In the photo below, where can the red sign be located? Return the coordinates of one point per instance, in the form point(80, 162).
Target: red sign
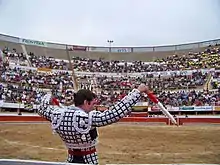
point(155, 108)
point(77, 48)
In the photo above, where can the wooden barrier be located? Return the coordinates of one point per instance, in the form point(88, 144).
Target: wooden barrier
point(144, 119)
point(11, 118)
point(181, 121)
point(138, 114)
point(199, 120)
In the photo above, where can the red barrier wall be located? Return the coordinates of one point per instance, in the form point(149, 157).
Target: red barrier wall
point(21, 118)
point(181, 121)
point(199, 120)
point(138, 114)
point(144, 119)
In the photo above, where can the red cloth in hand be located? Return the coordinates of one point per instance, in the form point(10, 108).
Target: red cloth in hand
point(55, 101)
point(152, 97)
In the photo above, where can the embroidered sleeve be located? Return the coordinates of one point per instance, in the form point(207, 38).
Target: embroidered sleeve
point(45, 109)
point(118, 111)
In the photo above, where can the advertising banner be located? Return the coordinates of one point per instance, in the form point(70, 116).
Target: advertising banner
point(44, 69)
point(196, 108)
point(76, 48)
point(32, 42)
point(169, 108)
point(182, 72)
point(28, 106)
point(203, 108)
point(187, 108)
point(154, 108)
point(217, 108)
point(120, 50)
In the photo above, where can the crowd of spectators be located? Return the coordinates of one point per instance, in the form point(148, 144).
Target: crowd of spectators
point(207, 59)
point(35, 78)
point(15, 57)
point(173, 82)
point(27, 86)
point(47, 62)
point(189, 98)
point(20, 94)
point(215, 83)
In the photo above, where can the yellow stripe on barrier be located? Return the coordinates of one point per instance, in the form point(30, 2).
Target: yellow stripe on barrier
point(217, 108)
point(44, 69)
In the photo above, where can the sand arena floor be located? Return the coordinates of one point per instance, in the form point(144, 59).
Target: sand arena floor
point(119, 143)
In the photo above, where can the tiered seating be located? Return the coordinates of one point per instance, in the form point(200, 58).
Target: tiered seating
point(189, 98)
point(215, 82)
point(20, 94)
point(34, 78)
point(48, 62)
point(110, 88)
point(15, 57)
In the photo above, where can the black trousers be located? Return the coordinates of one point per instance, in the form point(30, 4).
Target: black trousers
point(77, 159)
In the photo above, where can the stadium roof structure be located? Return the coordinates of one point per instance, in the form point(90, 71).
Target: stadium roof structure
point(59, 51)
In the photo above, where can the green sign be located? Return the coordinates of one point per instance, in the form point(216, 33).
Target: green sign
point(186, 108)
point(33, 42)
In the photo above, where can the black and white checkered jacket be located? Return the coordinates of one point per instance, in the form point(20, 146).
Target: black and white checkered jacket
point(78, 128)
